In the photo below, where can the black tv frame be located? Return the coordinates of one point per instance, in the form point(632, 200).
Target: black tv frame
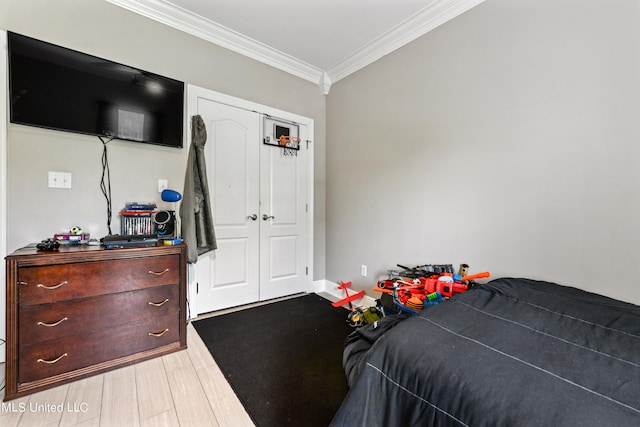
point(90, 95)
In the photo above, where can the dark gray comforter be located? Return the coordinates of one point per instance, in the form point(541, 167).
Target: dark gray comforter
point(512, 352)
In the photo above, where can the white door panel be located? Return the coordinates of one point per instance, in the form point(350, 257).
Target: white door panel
point(232, 195)
point(231, 263)
point(283, 192)
point(284, 257)
point(233, 169)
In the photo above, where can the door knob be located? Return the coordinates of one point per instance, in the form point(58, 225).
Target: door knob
point(266, 217)
point(253, 217)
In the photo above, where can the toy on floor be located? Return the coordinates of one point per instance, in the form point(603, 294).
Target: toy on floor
point(348, 298)
point(415, 288)
point(357, 316)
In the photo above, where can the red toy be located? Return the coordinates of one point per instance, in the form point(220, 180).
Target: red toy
point(349, 298)
point(426, 281)
point(448, 285)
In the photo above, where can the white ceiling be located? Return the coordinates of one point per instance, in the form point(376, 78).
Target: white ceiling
point(319, 32)
point(321, 41)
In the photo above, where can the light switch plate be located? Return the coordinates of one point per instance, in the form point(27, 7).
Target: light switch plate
point(59, 180)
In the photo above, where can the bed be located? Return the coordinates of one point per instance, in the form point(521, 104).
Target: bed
point(511, 352)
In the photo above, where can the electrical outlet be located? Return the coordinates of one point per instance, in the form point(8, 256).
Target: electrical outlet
point(363, 270)
point(59, 180)
point(163, 184)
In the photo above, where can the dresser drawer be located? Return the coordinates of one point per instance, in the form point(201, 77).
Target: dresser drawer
point(51, 321)
point(49, 283)
point(42, 360)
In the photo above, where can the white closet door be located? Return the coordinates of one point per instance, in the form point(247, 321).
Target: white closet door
point(283, 228)
point(259, 198)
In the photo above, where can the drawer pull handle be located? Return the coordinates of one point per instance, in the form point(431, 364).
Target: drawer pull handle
point(40, 285)
point(159, 273)
point(51, 362)
point(51, 325)
point(159, 334)
point(159, 304)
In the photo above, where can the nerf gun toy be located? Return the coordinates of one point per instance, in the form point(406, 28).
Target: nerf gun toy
point(449, 285)
point(412, 287)
point(445, 285)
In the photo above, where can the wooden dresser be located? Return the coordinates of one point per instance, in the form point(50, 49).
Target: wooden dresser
point(83, 310)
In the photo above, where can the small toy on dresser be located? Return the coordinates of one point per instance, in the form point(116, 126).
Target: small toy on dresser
point(48, 245)
point(74, 236)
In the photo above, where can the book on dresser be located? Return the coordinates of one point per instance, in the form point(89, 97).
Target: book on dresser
point(83, 310)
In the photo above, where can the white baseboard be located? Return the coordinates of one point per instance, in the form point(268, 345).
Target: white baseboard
point(330, 290)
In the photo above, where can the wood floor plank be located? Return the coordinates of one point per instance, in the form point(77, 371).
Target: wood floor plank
point(84, 401)
point(12, 411)
point(91, 422)
point(178, 360)
point(197, 350)
point(224, 402)
point(164, 419)
point(154, 395)
point(9, 417)
point(45, 407)
point(191, 403)
point(119, 399)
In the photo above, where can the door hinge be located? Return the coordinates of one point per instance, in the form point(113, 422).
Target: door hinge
point(197, 287)
point(306, 271)
point(308, 141)
point(306, 207)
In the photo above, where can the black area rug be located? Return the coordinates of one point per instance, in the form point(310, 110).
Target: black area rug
point(283, 360)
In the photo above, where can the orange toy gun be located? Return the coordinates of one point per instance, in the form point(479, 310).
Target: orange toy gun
point(482, 275)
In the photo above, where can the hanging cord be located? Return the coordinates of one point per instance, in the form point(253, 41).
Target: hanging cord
point(106, 186)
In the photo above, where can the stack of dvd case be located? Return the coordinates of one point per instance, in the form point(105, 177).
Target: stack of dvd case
point(137, 218)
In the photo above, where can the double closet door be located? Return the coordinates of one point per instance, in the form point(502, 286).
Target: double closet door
point(260, 209)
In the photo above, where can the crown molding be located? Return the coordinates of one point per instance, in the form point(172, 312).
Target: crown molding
point(183, 20)
point(435, 14)
point(427, 19)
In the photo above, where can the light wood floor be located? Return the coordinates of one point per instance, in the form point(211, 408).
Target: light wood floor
point(180, 389)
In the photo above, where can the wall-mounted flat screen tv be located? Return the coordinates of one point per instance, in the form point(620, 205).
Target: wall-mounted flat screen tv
point(58, 88)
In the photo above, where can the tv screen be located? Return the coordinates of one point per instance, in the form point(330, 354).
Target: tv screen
point(58, 88)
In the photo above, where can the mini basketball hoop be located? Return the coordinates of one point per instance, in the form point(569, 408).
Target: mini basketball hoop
point(282, 134)
point(290, 144)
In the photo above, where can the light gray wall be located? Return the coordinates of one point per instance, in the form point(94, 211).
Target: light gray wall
point(102, 29)
point(507, 139)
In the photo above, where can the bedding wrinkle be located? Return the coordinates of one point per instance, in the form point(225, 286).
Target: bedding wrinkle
point(635, 409)
point(411, 393)
point(606, 328)
point(551, 335)
point(569, 302)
